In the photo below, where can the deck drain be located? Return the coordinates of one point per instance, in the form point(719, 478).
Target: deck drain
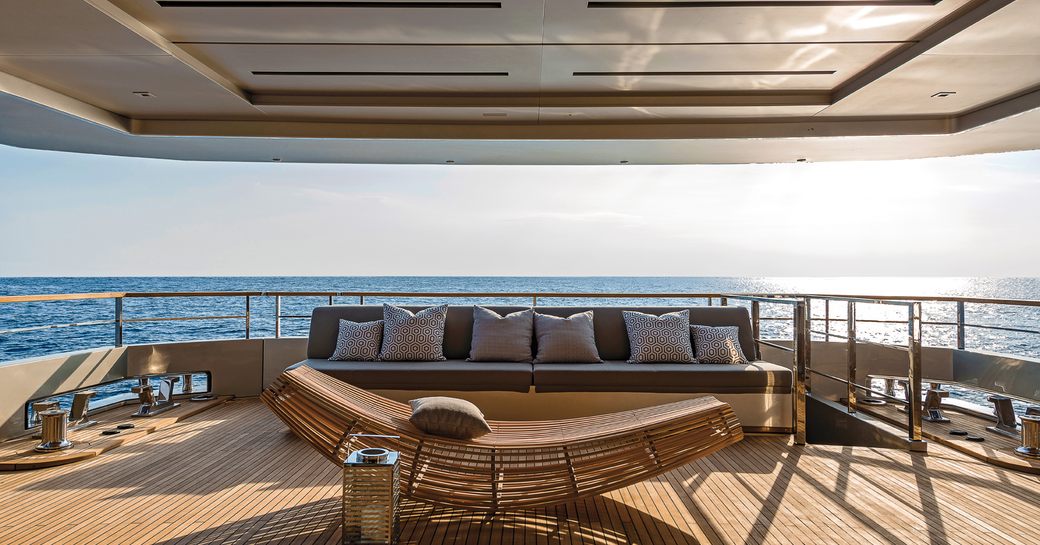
point(124, 426)
point(975, 438)
point(110, 432)
point(959, 433)
point(203, 397)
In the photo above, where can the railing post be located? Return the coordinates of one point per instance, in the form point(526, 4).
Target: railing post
point(534, 300)
point(756, 327)
point(850, 357)
point(960, 325)
point(330, 300)
point(277, 316)
point(119, 322)
point(802, 385)
point(361, 299)
point(710, 301)
point(827, 320)
point(913, 383)
point(249, 316)
point(723, 301)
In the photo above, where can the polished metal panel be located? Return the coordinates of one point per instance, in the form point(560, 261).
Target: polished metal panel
point(913, 384)
point(850, 354)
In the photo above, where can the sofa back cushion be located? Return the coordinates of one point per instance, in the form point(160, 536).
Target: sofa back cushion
point(609, 326)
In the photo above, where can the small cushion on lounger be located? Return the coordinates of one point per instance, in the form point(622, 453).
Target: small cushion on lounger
point(448, 417)
point(717, 344)
point(501, 338)
point(566, 340)
point(659, 339)
point(358, 341)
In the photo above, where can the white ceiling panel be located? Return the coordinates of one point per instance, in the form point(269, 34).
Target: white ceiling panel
point(572, 21)
point(975, 80)
point(515, 21)
point(1010, 31)
point(332, 69)
point(109, 83)
point(718, 67)
point(64, 27)
point(665, 114)
point(399, 114)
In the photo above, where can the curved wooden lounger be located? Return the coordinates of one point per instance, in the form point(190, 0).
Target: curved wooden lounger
point(519, 464)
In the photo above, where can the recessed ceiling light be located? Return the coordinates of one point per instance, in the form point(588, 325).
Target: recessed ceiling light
point(450, 161)
point(944, 94)
point(802, 160)
point(276, 159)
point(144, 94)
point(624, 162)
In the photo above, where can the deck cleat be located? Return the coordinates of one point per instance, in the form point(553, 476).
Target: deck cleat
point(150, 404)
point(80, 408)
point(1005, 413)
point(933, 405)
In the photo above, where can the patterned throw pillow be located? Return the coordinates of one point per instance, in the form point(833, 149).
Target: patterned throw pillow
point(566, 340)
point(659, 339)
point(358, 341)
point(717, 344)
point(413, 337)
point(501, 338)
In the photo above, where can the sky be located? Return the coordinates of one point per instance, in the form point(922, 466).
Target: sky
point(64, 214)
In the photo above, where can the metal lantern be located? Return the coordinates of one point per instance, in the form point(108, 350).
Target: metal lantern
point(371, 490)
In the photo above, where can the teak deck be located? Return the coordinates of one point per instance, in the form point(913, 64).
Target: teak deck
point(233, 474)
point(997, 449)
point(89, 442)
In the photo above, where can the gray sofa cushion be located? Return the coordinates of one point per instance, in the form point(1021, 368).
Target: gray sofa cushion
point(458, 375)
point(501, 338)
point(619, 376)
point(717, 344)
point(659, 339)
point(565, 340)
point(413, 337)
point(358, 341)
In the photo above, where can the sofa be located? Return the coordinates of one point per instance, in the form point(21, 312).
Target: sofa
point(759, 391)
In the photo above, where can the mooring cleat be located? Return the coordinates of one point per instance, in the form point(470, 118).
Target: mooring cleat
point(1005, 413)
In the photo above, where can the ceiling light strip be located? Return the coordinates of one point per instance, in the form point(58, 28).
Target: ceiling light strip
point(713, 73)
point(664, 4)
point(382, 73)
point(390, 4)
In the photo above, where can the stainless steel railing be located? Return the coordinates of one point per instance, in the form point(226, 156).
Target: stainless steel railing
point(801, 318)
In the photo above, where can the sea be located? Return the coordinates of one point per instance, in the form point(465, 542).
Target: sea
point(16, 344)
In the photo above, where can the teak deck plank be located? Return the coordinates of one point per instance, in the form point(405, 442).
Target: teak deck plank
point(233, 474)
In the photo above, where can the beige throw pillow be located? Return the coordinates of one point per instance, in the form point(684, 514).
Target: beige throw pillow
point(448, 417)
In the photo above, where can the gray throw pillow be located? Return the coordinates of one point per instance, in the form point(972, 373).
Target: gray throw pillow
point(413, 337)
point(717, 344)
point(501, 338)
point(358, 341)
point(566, 340)
point(448, 417)
point(659, 339)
